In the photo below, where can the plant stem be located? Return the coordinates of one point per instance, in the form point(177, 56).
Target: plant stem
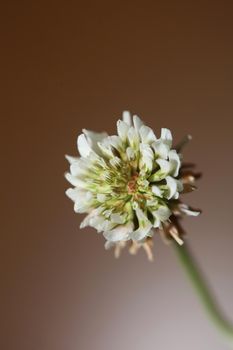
point(203, 292)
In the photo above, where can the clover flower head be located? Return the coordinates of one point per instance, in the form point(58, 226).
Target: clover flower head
point(129, 185)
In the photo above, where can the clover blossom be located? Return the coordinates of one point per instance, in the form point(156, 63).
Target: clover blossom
point(129, 185)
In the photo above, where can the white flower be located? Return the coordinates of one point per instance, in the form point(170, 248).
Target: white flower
point(129, 184)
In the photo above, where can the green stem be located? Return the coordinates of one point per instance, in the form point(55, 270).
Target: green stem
point(203, 292)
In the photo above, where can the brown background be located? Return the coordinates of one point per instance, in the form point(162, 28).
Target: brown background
point(67, 66)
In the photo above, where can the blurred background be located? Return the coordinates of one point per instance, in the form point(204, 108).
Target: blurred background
point(72, 65)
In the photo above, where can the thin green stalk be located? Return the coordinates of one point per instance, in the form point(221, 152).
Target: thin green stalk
point(203, 292)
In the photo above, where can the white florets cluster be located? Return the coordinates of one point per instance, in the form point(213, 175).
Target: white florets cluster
point(128, 184)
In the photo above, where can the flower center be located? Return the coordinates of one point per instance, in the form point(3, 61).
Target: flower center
point(132, 184)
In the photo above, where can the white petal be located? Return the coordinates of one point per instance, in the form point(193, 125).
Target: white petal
point(147, 135)
point(94, 219)
point(133, 138)
point(157, 191)
point(79, 168)
point(86, 221)
point(180, 185)
point(71, 159)
point(73, 193)
point(157, 222)
point(119, 233)
point(108, 226)
point(93, 138)
point(137, 122)
point(106, 148)
point(164, 165)
point(144, 226)
point(142, 218)
point(83, 202)
point(98, 222)
point(75, 181)
point(80, 207)
point(130, 153)
point(162, 214)
point(175, 162)
point(142, 232)
point(127, 118)
point(83, 146)
point(147, 157)
point(122, 130)
point(166, 135)
point(116, 142)
point(172, 186)
point(161, 149)
point(117, 218)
